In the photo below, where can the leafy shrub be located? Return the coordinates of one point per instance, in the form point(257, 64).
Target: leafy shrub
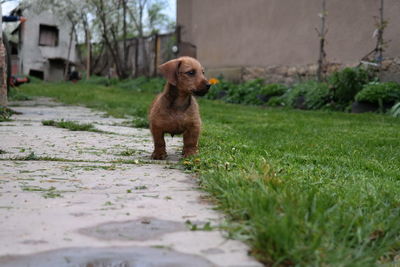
point(395, 111)
point(253, 92)
point(246, 93)
point(347, 83)
point(308, 95)
point(379, 93)
point(220, 89)
point(273, 89)
point(292, 96)
point(276, 101)
point(317, 95)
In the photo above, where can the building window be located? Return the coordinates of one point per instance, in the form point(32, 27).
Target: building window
point(48, 35)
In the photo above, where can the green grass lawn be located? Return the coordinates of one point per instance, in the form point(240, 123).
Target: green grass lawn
point(302, 188)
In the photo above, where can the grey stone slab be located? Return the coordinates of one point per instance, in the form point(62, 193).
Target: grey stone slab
point(110, 257)
point(100, 194)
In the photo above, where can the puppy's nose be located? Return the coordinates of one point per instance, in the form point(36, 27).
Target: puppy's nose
point(208, 85)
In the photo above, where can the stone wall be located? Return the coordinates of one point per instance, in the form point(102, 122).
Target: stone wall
point(285, 74)
point(390, 71)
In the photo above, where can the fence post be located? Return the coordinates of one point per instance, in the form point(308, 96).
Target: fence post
point(156, 54)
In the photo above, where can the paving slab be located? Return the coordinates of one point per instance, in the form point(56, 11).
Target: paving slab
point(96, 199)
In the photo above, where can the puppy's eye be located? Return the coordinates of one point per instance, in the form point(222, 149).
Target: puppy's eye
point(191, 73)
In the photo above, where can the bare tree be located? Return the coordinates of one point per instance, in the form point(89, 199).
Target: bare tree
point(136, 15)
point(377, 52)
point(322, 35)
point(109, 19)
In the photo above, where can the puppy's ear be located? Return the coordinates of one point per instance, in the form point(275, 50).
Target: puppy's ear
point(170, 70)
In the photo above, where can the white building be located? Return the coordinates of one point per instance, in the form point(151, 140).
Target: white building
point(43, 46)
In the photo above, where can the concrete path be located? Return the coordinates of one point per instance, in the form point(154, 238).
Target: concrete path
point(95, 199)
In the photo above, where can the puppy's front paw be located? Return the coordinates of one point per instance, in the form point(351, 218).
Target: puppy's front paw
point(159, 155)
point(189, 152)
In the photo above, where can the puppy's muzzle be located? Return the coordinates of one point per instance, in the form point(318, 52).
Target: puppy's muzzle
point(202, 91)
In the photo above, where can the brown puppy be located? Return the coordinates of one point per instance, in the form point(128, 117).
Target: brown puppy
point(175, 110)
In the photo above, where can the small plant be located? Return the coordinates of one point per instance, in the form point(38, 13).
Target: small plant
point(17, 95)
point(71, 125)
point(379, 93)
point(141, 187)
point(195, 227)
point(395, 110)
point(140, 122)
point(347, 83)
point(6, 113)
point(128, 152)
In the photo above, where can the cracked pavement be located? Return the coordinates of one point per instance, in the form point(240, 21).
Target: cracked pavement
point(78, 198)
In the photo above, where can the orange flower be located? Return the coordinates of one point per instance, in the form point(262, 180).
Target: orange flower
point(213, 81)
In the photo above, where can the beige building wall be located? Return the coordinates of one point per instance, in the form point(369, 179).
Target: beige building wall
point(264, 33)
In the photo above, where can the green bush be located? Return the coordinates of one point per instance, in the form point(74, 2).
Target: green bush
point(276, 101)
point(317, 95)
point(246, 93)
point(308, 95)
point(293, 94)
point(379, 93)
point(347, 83)
point(273, 89)
point(253, 92)
point(220, 89)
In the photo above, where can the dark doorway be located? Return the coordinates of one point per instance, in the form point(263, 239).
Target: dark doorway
point(37, 73)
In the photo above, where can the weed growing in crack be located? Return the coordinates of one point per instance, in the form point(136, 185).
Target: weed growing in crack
point(196, 227)
point(71, 125)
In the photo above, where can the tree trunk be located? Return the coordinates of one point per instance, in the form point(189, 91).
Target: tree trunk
point(381, 28)
point(3, 75)
point(322, 54)
point(137, 57)
point(125, 36)
point(88, 54)
point(71, 37)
